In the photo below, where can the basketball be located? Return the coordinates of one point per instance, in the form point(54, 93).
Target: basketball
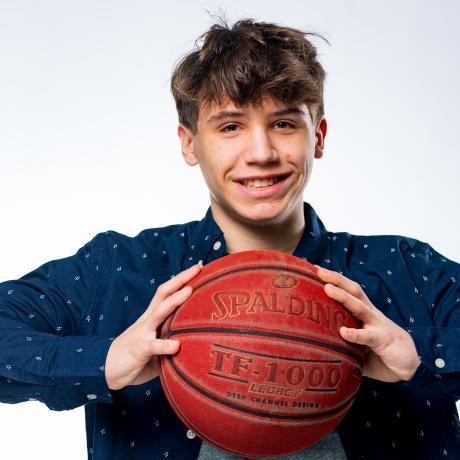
point(262, 369)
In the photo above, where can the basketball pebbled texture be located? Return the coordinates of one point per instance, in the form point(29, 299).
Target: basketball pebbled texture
point(262, 369)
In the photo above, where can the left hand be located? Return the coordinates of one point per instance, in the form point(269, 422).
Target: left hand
point(391, 354)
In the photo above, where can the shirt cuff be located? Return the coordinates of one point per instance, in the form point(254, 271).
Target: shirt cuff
point(437, 348)
point(423, 378)
point(79, 371)
point(433, 346)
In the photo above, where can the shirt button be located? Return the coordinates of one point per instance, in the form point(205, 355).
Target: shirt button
point(217, 245)
point(440, 363)
point(91, 396)
point(190, 434)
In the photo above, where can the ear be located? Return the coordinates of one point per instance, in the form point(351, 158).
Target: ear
point(186, 140)
point(321, 130)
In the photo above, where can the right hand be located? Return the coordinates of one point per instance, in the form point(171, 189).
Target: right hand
point(133, 356)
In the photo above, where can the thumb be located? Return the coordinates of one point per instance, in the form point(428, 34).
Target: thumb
point(358, 336)
point(164, 347)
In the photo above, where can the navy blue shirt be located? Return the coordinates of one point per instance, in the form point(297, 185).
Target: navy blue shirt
point(57, 323)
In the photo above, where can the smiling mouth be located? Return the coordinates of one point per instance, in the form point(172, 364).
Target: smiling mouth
point(261, 183)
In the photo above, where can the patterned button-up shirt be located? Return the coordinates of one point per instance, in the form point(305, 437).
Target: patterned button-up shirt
point(57, 323)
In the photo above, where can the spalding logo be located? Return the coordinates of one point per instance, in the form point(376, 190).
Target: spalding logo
point(283, 281)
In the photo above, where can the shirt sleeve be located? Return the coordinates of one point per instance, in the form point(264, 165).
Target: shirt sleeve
point(437, 283)
point(47, 351)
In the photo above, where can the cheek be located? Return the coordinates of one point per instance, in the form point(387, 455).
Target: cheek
point(301, 160)
point(213, 171)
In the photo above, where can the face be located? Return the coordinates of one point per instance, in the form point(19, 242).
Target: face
point(256, 159)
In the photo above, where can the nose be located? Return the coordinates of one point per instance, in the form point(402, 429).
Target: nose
point(261, 149)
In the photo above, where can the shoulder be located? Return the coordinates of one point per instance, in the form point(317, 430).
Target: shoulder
point(384, 255)
point(387, 256)
point(380, 245)
point(150, 237)
point(112, 247)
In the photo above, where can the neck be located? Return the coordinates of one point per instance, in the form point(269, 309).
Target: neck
point(241, 236)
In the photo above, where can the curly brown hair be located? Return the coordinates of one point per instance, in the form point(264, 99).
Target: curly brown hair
point(245, 63)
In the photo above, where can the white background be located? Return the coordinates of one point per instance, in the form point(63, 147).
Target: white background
point(88, 135)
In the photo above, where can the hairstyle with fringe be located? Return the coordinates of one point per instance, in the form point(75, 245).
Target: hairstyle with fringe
point(245, 63)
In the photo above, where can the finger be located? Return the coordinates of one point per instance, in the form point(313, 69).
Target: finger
point(163, 309)
point(174, 284)
point(358, 336)
point(354, 305)
point(341, 281)
point(164, 347)
point(177, 281)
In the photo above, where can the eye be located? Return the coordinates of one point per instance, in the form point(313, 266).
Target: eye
point(230, 128)
point(284, 125)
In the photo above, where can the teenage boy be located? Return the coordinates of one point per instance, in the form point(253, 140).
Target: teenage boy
point(83, 330)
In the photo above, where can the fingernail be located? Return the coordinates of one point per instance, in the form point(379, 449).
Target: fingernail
point(173, 343)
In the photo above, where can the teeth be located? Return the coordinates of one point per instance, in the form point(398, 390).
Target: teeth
point(257, 183)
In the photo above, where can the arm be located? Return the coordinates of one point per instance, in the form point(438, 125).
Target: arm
point(50, 349)
point(45, 350)
point(133, 356)
point(392, 355)
point(436, 281)
point(423, 350)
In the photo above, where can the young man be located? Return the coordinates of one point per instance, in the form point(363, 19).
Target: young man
point(83, 330)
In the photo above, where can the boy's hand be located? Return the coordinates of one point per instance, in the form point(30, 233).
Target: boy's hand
point(133, 356)
point(392, 355)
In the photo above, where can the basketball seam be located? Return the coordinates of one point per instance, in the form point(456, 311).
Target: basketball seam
point(259, 267)
point(277, 335)
point(255, 353)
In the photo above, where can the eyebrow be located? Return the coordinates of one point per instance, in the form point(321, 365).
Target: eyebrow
point(225, 114)
point(289, 111)
point(235, 114)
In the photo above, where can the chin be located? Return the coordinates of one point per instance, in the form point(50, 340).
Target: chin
point(261, 214)
point(264, 217)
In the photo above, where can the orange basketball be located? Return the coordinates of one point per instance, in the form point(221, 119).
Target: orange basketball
point(262, 369)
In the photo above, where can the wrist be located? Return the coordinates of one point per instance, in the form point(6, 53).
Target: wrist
point(413, 361)
point(109, 369)
point(411, 370)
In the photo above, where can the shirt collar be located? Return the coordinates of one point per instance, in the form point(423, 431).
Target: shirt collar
point(313, 245)
point(209, 242)
point(208, 239)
